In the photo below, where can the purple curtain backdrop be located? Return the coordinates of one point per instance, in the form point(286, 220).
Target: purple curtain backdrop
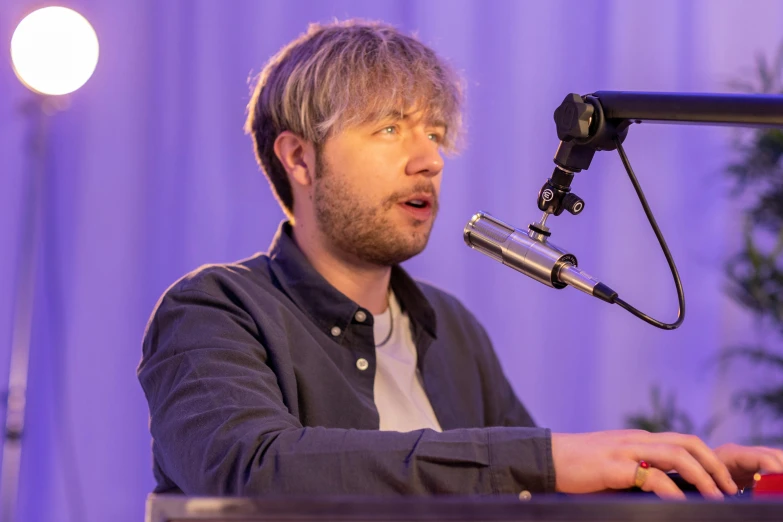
point(150, 176)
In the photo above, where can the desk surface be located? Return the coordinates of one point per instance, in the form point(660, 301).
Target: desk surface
point(611, 508)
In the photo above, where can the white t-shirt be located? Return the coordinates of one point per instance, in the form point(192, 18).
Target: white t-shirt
point(399, 394)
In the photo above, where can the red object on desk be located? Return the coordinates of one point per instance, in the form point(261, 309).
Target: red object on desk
point(769, 485)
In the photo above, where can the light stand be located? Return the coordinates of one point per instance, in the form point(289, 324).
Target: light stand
point(54, 51)
point(22, 326)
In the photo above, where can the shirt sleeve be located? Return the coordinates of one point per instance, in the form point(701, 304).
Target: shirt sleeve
point(507, 410)
point(220, 425)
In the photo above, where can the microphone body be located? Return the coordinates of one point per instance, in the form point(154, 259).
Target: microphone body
point(530, 253)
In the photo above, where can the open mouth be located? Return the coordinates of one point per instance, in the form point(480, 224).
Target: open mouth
point(418, 203)
point(421, 206)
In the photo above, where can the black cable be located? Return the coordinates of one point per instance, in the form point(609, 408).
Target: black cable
point(662, 242)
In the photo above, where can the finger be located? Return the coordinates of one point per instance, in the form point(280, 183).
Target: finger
point(759, 458)
point(673, 457)
point(770, 460)
point(779, 455)
point(659, 483)
point(621, 474)
point(705, 456)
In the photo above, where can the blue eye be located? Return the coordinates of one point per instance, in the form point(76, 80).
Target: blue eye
point(391, 128)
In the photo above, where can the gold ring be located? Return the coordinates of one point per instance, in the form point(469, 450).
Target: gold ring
point(642, 471)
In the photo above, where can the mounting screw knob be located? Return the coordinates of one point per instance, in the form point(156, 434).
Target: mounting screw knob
point(573, 117)
point(573, 203)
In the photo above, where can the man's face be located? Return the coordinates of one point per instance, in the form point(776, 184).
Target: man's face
point(376, 188)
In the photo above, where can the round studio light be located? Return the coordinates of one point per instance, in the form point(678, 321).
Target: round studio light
point(54, 50)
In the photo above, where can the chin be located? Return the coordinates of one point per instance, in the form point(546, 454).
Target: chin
point(416, 249)
point(398, 255)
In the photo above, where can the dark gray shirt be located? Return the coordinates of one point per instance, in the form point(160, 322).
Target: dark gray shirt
point(251, 377)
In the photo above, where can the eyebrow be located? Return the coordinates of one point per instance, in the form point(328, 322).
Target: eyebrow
point(429, 120)
point(435, 122)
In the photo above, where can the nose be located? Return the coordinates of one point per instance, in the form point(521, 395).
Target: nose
point(425, 158)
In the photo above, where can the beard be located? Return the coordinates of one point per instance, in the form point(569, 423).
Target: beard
point(365, 230)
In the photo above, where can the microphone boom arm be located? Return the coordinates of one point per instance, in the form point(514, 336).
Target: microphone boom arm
point(720, 109)
point(600, 121)
point(586, 124)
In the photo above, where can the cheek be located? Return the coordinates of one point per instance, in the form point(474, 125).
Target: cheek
point(368, 172)
point(351, 189)
point(370, 180)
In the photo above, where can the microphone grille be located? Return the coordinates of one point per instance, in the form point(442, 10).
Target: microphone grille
point(487, 234)
point(496, 230)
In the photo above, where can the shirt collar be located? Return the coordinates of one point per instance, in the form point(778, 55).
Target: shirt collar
point(327, 306)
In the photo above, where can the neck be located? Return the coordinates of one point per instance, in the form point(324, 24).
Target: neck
point(364, 283)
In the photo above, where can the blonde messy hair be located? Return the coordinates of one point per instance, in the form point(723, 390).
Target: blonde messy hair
point(344, 74)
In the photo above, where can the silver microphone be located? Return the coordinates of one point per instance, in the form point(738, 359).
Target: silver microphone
point(530, 253)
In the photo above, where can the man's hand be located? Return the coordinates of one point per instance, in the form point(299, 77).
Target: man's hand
point(606, 460)
point(744, 461)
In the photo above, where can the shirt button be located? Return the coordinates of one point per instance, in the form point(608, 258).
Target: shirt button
point(362, 364)
point(525, 495)
point(336, 331)
point(360, 316)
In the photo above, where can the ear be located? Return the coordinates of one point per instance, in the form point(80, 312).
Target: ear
point(297, 156)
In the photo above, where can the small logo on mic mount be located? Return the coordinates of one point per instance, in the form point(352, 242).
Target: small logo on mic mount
point(547, 195)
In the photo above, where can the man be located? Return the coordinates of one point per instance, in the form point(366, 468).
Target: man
point(322, 367)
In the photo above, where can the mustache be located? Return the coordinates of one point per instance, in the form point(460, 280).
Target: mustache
point(419, 188)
